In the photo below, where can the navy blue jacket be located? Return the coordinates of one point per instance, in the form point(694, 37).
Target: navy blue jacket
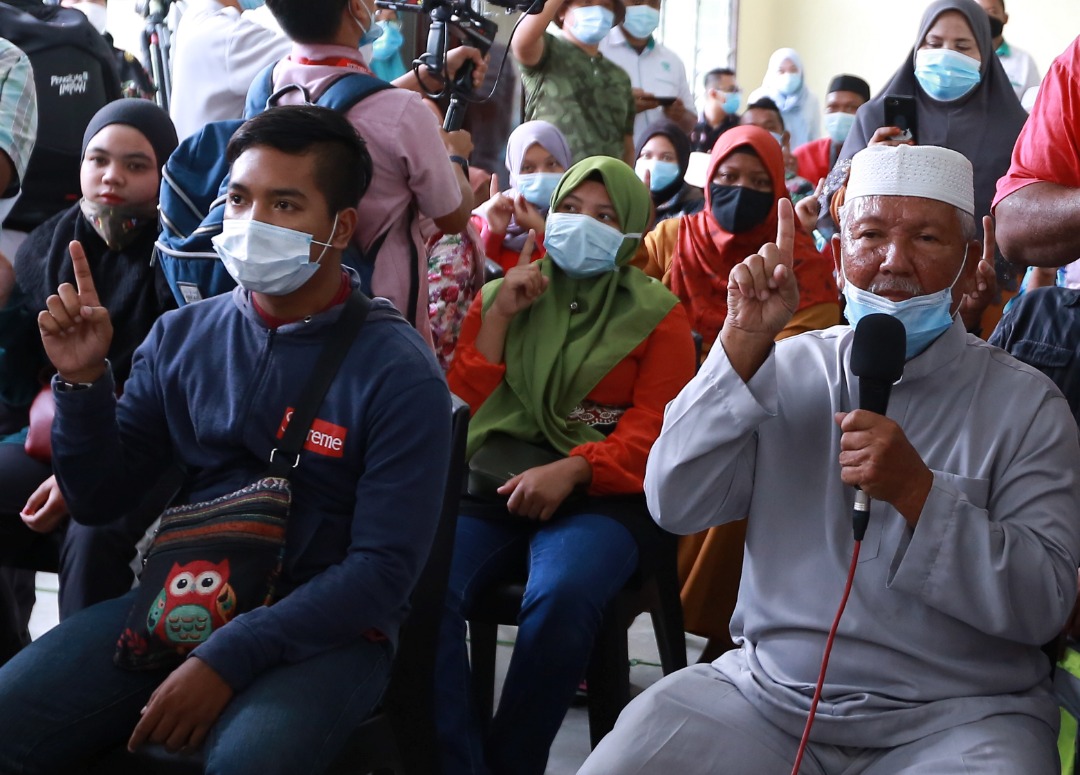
point(1042, 329)
point(210, 388)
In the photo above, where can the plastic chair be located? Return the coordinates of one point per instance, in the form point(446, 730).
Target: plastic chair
point(654, 587)
point(400, 737)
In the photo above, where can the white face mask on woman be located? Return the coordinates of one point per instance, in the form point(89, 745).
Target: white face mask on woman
point(265, 258)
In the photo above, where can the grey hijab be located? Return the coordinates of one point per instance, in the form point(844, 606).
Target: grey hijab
point(982, 125)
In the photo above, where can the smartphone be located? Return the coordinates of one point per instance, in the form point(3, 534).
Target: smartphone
point(665, 101)
point(900, 112)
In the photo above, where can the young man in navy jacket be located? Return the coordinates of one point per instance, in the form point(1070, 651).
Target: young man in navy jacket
point(279, 688)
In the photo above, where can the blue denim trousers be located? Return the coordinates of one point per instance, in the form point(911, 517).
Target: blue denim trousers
point(63, 702)
point(574, 565)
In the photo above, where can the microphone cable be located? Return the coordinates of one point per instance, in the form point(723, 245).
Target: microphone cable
point(825, 659)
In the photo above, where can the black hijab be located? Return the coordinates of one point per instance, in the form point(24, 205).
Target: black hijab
point(681, 141)
point(130, 286)
point(982, 125)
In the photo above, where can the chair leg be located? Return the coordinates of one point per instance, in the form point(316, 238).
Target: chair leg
point(608, 675)
point(483, 637)
point(667, 620)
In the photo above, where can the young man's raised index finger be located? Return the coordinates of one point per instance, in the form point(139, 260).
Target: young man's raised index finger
point(84, 281)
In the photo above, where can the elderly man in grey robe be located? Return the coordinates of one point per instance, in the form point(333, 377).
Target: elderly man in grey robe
point(970, 559)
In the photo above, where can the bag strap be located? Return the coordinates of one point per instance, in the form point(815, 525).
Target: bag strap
point(345, 91)
point(286, 455)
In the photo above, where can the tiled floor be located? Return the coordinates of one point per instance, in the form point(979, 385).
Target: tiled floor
point(571, 746)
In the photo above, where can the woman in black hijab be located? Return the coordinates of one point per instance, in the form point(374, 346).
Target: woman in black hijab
point(124, 147)
point(963, 101)
point(664, 150)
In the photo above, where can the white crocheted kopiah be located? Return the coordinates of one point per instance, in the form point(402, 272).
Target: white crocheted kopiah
point(926, 171)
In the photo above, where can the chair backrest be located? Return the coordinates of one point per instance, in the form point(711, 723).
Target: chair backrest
point(409, 700)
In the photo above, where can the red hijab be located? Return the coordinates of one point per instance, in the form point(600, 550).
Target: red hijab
point(705, 253)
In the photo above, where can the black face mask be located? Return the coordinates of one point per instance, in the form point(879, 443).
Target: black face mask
point(996, 27)
point(737, 208)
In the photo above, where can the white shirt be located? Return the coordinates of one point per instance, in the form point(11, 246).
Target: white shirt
point(1020, 68)
point(217, 54)
point(657, 69)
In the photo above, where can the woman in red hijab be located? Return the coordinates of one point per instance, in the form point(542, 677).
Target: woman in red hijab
point(693, 255)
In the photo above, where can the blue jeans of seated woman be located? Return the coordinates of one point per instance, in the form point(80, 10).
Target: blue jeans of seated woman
point(575, 565)
point(63, 702)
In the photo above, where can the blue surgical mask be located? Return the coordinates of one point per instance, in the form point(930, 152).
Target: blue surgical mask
point(779, 138)
point(788, 83)
point(641, 21)
point(945, 74)
point(838, 125)
point(732, 100)
point(372, 32)
point(662, 173)
point(265, 258)
point(581, 246)
point(388, 43)
point(590, 24)
point(925, 318)
point(538, 187)
point(251, 5)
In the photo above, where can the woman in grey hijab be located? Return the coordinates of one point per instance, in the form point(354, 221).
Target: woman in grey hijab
point(963, 101)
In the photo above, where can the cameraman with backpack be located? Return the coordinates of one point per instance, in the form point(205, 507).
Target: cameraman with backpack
point(411, 177)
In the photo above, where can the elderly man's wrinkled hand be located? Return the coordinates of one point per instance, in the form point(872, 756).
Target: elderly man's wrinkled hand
point(877, 456)
point(762, 291)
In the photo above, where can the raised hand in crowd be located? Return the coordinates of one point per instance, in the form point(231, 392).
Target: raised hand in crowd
point(979, 298)
point(498, 209)
point(808, 208)
point(521, 286)
point(75, 329)
point(762, 297)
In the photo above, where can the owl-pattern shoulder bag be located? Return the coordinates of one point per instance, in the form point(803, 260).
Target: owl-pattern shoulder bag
point(213, 560)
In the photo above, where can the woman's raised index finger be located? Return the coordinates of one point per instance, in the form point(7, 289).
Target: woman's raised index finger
point(525, 257)
point(785, 231)
point(84, 281)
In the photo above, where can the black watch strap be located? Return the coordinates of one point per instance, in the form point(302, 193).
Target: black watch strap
point(462, 161)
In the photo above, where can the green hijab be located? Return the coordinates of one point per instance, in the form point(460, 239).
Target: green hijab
point(555, 357)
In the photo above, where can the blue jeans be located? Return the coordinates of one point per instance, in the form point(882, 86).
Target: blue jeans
point(575, 565)
point(63, 702)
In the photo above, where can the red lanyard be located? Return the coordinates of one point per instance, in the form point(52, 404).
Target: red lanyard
point(351, 64)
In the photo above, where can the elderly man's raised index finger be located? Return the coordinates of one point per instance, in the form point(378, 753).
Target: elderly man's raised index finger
point(785, 231)
point(84, 281)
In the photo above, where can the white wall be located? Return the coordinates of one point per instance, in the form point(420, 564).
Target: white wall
point(871, 38)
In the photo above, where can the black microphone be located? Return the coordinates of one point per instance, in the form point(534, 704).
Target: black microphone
point(877, 359)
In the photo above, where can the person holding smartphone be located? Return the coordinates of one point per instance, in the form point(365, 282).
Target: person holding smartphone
point(963, 101)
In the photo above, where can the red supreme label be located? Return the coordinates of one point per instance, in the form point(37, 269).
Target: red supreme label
point(324, 438)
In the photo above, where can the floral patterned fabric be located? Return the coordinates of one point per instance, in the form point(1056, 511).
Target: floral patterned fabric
point(455, 274)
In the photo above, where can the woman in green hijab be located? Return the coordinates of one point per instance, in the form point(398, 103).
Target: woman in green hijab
point(578, 353)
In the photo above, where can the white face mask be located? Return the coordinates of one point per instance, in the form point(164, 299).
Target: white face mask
point(265, 258)
point(581, 246)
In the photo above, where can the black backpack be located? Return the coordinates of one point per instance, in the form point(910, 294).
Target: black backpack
point(74, 75)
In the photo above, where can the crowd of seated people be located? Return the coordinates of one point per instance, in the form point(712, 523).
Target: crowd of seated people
point(653, 323)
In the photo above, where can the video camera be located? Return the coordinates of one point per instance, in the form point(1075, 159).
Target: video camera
point(474, 29)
